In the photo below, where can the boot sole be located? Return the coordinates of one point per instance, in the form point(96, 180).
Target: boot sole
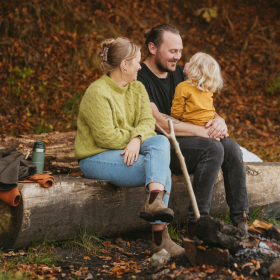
point(164, 216)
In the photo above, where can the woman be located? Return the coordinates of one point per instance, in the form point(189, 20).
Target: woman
point(116, 141)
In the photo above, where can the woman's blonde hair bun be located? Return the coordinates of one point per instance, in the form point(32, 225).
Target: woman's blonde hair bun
point(107, 43)
point(114, 51)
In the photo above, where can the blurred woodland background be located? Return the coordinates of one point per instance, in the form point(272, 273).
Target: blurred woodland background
point(49, 55)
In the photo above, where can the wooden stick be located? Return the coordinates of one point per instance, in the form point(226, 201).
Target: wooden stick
point(181, 158)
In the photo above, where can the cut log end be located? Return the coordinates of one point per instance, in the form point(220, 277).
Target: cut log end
point(10, 223)
point(214, 232)
point(199, 255)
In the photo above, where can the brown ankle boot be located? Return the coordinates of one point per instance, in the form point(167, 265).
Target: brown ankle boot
point(154, 209)
point(161, 240)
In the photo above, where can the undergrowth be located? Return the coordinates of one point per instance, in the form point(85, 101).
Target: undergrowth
point(40, 255)
point(88, 239)
point(174, 232)
point(274, 86)
point(257, 214)
point(71, 106)
point(11, 275)
point(41, 252)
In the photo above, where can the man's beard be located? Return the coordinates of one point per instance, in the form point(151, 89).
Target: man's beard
point(161, 67)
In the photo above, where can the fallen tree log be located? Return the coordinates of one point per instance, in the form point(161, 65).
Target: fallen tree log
point(61, 211)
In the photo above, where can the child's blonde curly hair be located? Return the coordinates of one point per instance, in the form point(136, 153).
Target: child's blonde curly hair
point(205, 73)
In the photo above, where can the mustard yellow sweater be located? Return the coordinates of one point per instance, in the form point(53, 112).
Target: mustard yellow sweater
point(192, 106)
point(110, 116)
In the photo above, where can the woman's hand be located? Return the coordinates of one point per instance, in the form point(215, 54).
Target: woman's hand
point(131, 151)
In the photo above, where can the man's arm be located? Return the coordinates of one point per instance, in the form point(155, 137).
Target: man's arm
point(180, 128)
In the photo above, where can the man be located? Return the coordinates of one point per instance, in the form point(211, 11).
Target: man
point(206, 149)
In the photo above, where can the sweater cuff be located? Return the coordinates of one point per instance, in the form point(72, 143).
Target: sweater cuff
point(135, 135)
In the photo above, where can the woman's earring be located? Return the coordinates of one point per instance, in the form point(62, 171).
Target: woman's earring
point(125, 70)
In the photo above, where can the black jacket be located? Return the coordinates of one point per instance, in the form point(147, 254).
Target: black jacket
point(13, 168)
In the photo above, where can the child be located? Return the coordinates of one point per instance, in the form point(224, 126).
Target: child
point(193, 98)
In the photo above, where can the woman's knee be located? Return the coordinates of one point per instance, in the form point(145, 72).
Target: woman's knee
point(158, 142)
point(163, 143)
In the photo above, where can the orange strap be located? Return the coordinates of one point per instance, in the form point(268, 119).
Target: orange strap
point(44, 180)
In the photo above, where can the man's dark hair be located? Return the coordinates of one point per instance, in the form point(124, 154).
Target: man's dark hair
point(155, 34)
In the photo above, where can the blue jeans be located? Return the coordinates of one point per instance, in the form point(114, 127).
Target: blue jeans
point(152, 166)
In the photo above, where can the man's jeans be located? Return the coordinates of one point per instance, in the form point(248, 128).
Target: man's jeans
point(204, 157)
point(152, 166)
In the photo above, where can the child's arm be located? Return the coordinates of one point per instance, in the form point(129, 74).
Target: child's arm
point(179, 102)
point(181, 128)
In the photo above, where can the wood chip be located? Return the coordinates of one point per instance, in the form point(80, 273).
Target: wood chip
point(247, 264)
point(202, 274)
point(120, 240)
point(173, 266)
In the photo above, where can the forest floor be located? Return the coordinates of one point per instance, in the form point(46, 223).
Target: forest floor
point(89, 256)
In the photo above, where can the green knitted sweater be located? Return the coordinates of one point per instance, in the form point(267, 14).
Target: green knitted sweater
point(110, 116)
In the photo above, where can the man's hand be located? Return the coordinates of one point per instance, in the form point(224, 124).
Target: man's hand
point(131, 151)
point(218, 128)
point(188, 129)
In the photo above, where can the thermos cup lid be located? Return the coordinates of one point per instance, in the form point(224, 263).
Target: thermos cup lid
point(39, 145)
